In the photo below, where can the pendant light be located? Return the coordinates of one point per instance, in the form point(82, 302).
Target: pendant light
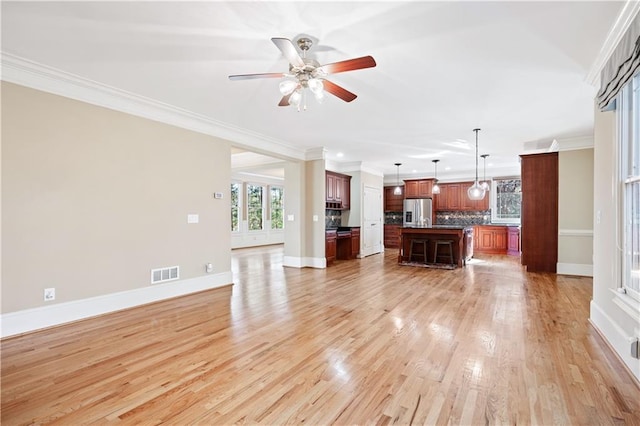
point(475, 191)
point(436, 188)
point(484, 184)
point(398, 189)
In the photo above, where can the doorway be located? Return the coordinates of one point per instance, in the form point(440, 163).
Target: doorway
point(372, 221)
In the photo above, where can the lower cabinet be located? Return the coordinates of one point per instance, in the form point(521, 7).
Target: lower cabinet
point(355, 242)
point(513, 243)
point(391, 236)
point(330, 246)
point(342, 244)
point(490, 239)
point(496, 239)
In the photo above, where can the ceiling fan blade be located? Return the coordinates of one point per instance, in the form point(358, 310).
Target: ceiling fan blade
point(349, 65)
point(338, 91)
point(285, 100)
point(289, 51)
point(252, 76)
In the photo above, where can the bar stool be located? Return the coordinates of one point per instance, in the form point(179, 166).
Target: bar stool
point(425, 244)
point(446, 243)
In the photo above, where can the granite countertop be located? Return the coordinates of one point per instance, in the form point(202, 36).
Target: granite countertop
point(341, 228)
point(510, 225)
point(439, 227)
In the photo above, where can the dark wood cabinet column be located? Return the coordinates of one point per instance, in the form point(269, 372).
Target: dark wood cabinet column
point(539, 215)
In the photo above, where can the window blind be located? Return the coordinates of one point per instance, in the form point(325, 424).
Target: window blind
point(623, 64)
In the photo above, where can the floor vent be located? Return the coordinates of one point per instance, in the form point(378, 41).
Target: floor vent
point(165, 274)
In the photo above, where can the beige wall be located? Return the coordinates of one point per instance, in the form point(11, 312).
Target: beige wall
point(93, 199)
point(575, 210)
point(608, 314)
point(293, 206)
point(315, 203)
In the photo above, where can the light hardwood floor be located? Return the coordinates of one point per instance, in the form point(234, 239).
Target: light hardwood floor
point(364, 342)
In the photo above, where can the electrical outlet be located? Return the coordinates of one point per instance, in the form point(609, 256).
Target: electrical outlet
point(49, 294)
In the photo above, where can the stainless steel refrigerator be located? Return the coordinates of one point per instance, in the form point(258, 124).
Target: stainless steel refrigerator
point(417, 213)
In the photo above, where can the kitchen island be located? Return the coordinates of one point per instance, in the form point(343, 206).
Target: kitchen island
point(418, 245)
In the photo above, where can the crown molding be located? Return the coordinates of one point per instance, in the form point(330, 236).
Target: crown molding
point(571, 144)
point(319, 153)
point(359, 166)
point(629, 11)
point(24, 72)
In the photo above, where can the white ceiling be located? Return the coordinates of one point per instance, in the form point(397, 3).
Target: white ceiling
point(515, 69)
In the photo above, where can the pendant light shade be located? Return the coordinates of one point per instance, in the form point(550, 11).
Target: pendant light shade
point(475, 191)
point(485, 183)
point(398, 188)
point(435, 189)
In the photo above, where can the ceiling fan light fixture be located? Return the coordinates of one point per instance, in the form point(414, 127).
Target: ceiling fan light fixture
point(308, 73)
point(288, 86)
point(295, 98)
point(315, 85)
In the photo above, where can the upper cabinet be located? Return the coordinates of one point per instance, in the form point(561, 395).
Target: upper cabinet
point(453, 197)
point(393, 202)
point(418, 188)
point(338, 191)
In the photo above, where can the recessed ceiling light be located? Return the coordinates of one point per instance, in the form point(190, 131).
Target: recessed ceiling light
point(414, 171)
point(339, 155)
point(447, 168)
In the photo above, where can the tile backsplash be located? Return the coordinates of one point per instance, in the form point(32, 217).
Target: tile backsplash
point(393, 218)
point(481, 217)
point(332, 219)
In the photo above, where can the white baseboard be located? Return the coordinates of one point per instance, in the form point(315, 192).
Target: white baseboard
point(47, 316)
point(616, 337)
point(574, 269)
point(304, 262)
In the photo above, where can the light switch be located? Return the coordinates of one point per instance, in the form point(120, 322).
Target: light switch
point(315, 217)
point(290, 217)
point(193, 218)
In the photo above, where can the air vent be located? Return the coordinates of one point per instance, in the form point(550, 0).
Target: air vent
point(165, 274)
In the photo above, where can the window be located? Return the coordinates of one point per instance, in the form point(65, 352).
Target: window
point(629, 133)
point(277, 205)
point(507, 198)
point(235, 207)
point(255, 207)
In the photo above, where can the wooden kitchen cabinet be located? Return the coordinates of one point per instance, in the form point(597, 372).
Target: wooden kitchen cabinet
point(453, 197)
point(393, 202)
point(513, 241)
point(452, 200)
point(539, 212)
point(355, 242)
point(418, 188)
point(490, 239)
point(330, 187)
point(338, 191)
point(330, 248)
point(392, 236)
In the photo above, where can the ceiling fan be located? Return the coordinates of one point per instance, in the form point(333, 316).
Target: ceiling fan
point(308, 73)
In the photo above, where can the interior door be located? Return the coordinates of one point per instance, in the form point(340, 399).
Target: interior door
point(372, 221)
